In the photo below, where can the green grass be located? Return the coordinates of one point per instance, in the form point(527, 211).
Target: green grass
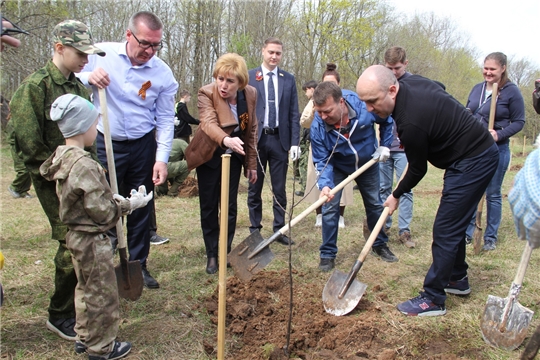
point(172, 323)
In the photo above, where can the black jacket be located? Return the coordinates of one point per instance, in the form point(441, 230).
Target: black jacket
point(182, 114)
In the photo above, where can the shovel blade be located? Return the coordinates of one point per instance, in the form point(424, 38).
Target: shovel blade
point(245, 268)
point(332, 303)
point(511, 335)
point(130, 283)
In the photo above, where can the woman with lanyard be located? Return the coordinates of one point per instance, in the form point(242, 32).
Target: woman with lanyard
point(228, 125)
point(509, 120)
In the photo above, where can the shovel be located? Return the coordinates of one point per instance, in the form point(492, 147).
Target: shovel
point(342, 292)
point(505, 321)
point(128, 273)
point(253, 254)
point(477, 235)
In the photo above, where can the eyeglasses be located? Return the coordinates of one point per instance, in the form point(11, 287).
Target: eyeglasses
point(146, 45)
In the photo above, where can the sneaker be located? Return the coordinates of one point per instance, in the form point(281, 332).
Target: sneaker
point(458, 287)
point(299, 193)
point(63, 328)
point(120, 350)
point(158, 240)
point(341, 223)
point(421, 306)
point(405, 239)
point(384, 253)
point(318, 221)
point(19, 195)
point(489, 245)
point(80, 347)
point(149, 281)
point(468, 240)
point(285, 240)
point(326, 264)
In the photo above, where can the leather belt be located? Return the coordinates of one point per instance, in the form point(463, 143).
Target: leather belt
point(270, 131)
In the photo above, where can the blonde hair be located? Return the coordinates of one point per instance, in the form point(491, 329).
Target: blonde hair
point(233, 64)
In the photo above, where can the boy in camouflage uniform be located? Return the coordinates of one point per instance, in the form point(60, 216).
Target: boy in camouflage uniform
point(36, 137)
point(177, 169)
point(89, 208)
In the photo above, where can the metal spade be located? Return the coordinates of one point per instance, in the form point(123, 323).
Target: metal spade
point(342, 292)
point(505, 321)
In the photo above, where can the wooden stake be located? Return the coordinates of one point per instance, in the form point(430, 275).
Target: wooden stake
point(223, 235)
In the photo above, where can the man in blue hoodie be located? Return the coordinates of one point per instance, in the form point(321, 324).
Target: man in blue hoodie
point(343, 139)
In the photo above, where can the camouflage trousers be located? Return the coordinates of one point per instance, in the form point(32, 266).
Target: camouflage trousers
point(302, 164)
point(62, 304)
point(177, 173)
point(96, 294)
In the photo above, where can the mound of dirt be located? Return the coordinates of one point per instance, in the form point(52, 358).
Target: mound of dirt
point(189, 188)
point(257, 320)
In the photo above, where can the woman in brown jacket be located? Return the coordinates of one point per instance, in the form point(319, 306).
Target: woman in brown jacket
point(228, 125)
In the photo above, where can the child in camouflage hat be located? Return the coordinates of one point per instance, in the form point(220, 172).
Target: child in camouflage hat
point(89, 208)
point(36, 137)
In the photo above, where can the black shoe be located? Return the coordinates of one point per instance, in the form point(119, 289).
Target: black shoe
point(158, 240)
point(285, 240)
point(120, 350)
point(299, 193)
point(80, 347)
point(211, 265)
point(63, 328)
point(326, 264)
point(149, 281)
point(384, 253)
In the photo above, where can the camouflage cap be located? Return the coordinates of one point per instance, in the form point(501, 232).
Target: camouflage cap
point(75, 34)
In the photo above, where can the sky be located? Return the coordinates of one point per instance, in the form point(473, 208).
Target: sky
point(511, 27)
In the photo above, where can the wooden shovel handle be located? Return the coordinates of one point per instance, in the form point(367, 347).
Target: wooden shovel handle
point(369, 243)
point(378, 226)
point(494, 95)
point(310, 209)
point(522, 268)
point(110, 161)
point(323, 199)
point(477, 236)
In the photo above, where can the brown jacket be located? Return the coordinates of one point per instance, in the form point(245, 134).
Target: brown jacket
point(218, 122)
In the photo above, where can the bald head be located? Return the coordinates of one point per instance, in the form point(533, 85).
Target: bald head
point(378, 88)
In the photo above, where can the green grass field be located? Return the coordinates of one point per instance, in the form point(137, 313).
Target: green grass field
point(171, 323)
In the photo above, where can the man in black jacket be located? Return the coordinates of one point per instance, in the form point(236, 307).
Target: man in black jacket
point(183, 120)
point(434, 127)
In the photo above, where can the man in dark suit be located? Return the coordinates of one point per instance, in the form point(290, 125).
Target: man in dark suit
point(279, 133)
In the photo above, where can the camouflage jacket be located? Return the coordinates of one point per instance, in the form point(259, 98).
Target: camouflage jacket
point(177, 151)
point(36, 136)
point(86, 199)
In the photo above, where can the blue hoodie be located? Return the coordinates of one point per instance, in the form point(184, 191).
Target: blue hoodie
point(509, 111)
point(349, 154)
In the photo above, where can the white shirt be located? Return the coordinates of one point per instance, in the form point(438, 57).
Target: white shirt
point(265, 72)
point(130, 116)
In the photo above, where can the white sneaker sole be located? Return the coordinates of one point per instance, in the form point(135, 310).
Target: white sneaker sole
point(458, 292)
point(55, 330)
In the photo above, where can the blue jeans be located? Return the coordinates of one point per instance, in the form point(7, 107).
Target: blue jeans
point(397, 161)
point(465, 182)
point(368, 184)
point(494, 198)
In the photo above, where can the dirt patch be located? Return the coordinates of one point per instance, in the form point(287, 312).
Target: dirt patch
point(189, 188)
point(516, 167)
point(258, 312)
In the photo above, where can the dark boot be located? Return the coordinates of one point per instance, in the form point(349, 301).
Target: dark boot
point(211, 265)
